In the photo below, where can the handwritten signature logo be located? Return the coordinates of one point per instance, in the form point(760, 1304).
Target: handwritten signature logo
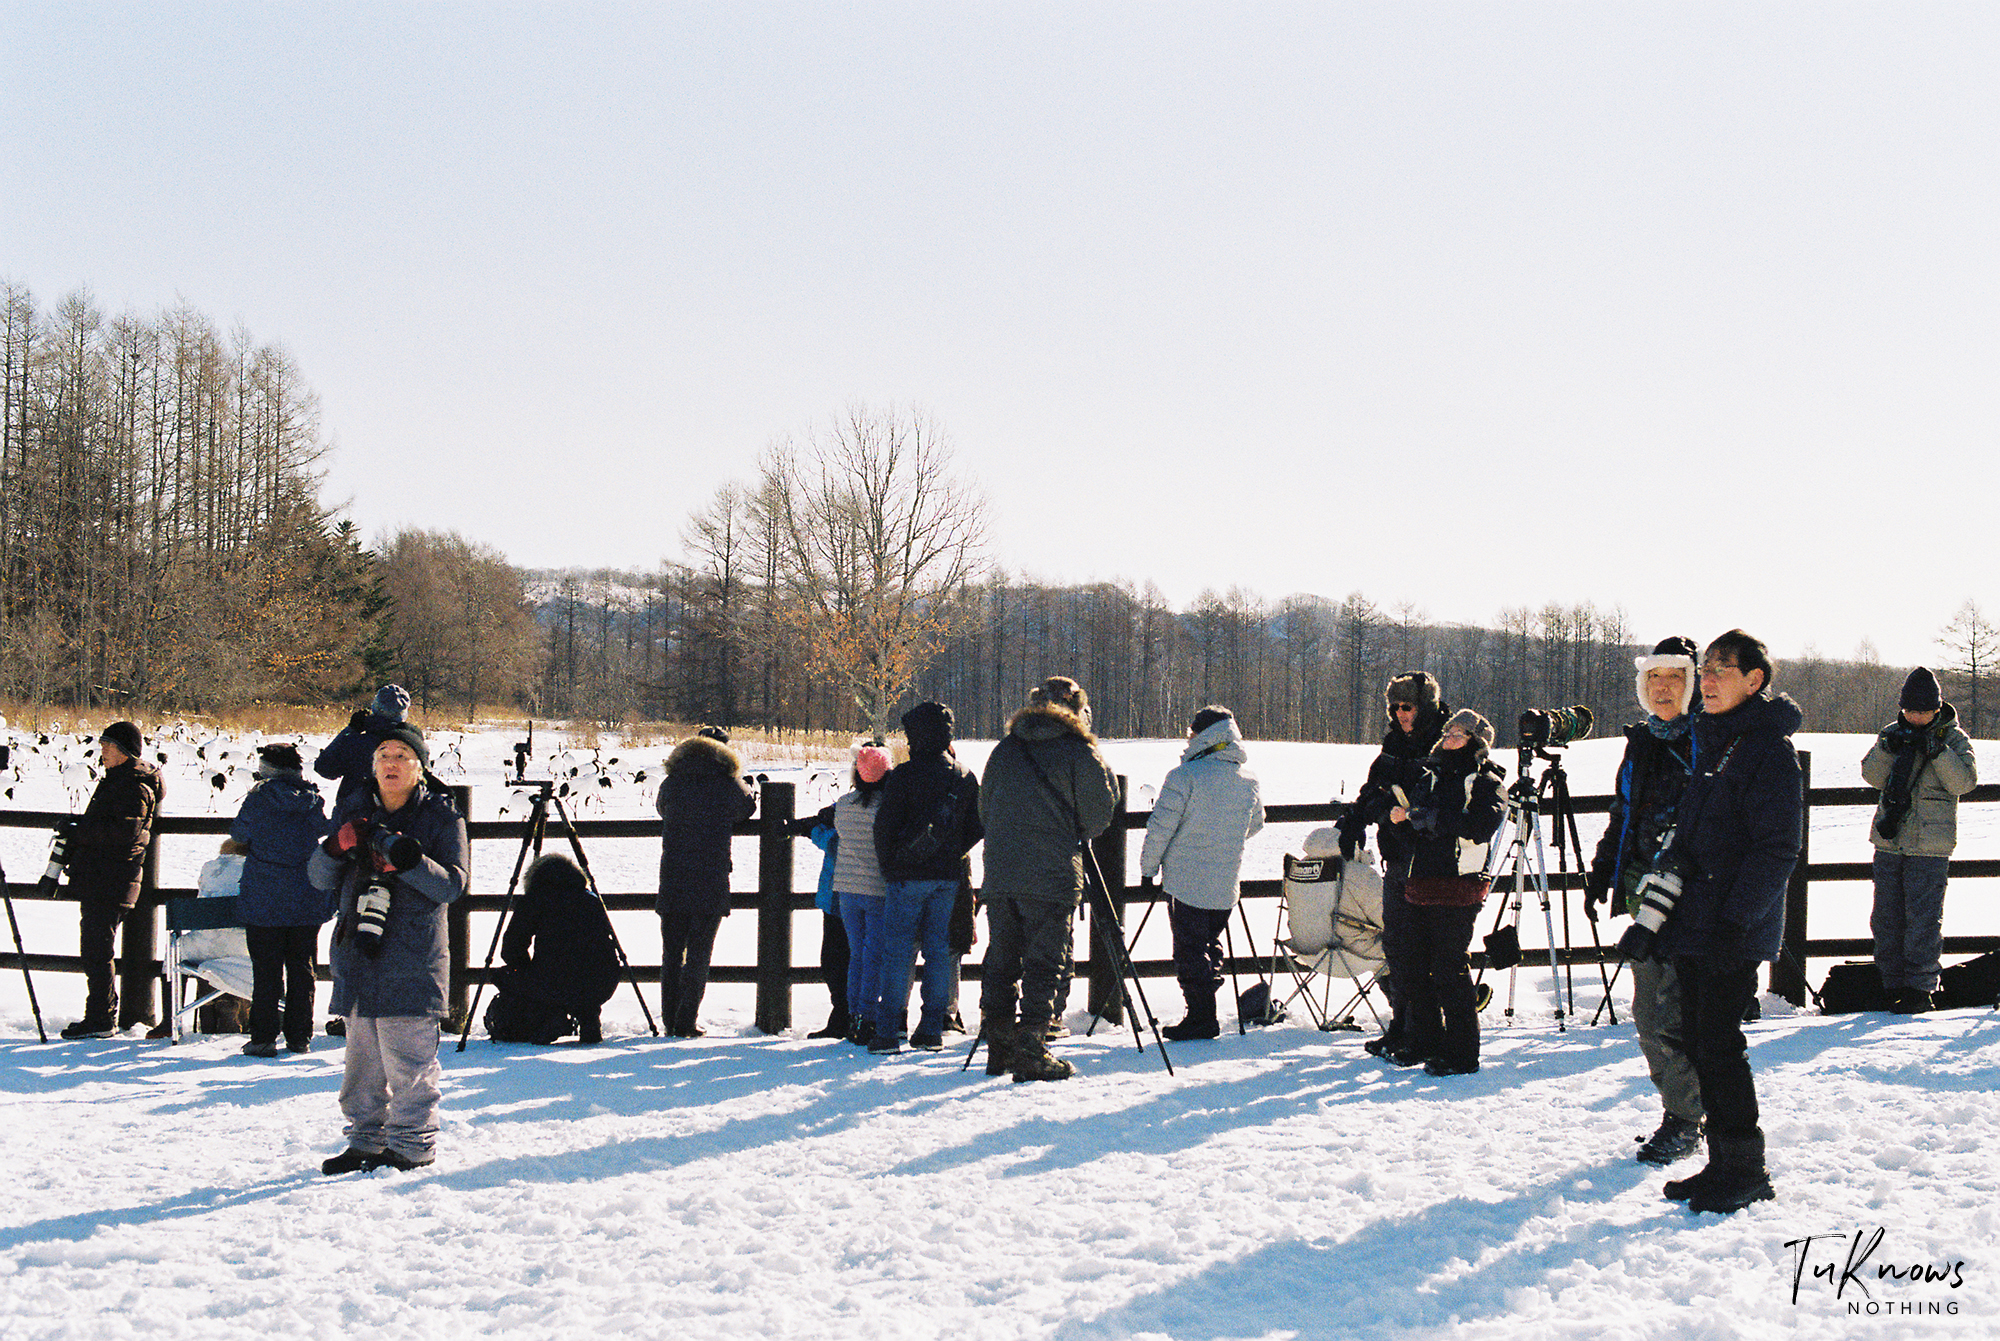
point(1854, 1265)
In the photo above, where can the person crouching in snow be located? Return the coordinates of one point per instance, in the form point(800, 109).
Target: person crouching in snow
point(560, 961)
point(1209, 807)
point(397, 857)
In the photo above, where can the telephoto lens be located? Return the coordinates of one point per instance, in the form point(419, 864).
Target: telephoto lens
point(58, 858)
point(371, 918)
point(1658, 893)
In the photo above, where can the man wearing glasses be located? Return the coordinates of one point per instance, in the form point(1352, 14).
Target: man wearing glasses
point(1735, 842)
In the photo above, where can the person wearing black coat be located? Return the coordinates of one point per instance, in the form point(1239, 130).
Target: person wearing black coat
point(701, 801)
point(1736, 839)
point(281, 821)
point(1454, 811)
point(559, 959)
point(927, 822)
point(350, 756)
point(107, 858)
point(1417, 711)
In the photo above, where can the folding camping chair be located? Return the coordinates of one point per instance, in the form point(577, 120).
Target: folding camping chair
point(205, 949)
point(1330, 924)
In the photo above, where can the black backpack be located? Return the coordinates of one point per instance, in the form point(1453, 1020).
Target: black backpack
point(923, 843)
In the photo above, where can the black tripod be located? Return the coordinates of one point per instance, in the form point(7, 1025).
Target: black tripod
point(21, 953)
point(531, 840)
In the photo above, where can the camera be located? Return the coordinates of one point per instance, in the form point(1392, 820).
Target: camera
point(371, 918)
point(1553, 728)
point(1658, 892)
point(58, 858)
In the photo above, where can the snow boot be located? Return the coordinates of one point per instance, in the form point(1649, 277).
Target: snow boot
point(1200, 1021)
point(862, 1034)
point(349, 1160)
point(90, 1027)
point(999, 1047)
point(1676, 1139)
point(261, 1048)
point(837, 1026)
point(389, 1159)
point(1739, 1178)
point(1033, 1060)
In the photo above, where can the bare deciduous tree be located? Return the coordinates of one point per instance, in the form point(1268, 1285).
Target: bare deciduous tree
point(1973, 643)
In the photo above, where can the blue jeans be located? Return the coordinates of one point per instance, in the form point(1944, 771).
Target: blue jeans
point(861, 914)
point(918, 917)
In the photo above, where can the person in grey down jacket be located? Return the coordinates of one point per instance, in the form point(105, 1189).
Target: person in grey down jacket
point(1209, 807)
point(396, 857)
point(276, 830)
point(701, 801)
point(1923, 763)
point(1045, 792)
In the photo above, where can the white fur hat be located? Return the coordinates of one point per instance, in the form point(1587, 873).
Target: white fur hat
point(1669, 654)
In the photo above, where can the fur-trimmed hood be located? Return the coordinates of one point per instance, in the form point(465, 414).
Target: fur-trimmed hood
point(1046, 721)
point(699, 754)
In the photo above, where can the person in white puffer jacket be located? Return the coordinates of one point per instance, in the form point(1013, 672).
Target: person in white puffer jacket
point(1209, 807)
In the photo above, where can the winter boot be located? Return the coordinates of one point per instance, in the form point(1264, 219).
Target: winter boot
point(90, 1026)
point(389, 1159)
point(1033, 1060)
point(1200, 1021)
point(837, 1026)
point(349, 1160)
point(999, 1047)
point(1739, 1176)
point(261, 1048)
point(1676, 1139)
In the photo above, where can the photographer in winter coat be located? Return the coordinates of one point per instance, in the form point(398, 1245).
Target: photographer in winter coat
point(1736, 839)
point(701, 801)
point(1045, 793)
point(280, 824)
point(1454, 811)
point(1659, 757)
point(926, 824)
point(1417, 713)
point(1923, 763)
point(396, 857)
point(350, 755)
point(1209, 807)
point(107, 858)
point(559, 959)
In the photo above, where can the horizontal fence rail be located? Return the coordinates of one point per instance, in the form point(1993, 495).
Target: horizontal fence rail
point(775, 902)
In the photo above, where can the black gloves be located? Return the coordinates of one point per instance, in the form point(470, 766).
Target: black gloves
point(359, 721)
point(1596, 892)
point(1348, 845)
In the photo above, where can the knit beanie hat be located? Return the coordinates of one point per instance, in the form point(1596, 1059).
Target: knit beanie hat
point(1674, 653)
point(411, 737)
point(391, 701)
point(871, 763)
point(126, 737)
point(1921, 692)
point(928, 728)
point(280, 758)
point(1473, 725)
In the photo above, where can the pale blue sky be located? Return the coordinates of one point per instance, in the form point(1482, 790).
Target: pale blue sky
point(1690, 308)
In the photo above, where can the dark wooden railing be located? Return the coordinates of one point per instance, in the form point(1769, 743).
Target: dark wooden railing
point(775, 902)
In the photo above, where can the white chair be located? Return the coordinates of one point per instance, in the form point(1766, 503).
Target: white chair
point(1330, 925)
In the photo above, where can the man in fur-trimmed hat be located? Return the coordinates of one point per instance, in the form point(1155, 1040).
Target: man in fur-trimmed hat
point(1923, 763)
point(1659, 757)
point(1417, 713)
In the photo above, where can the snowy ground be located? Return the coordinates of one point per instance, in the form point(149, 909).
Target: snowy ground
point(1279, 1184)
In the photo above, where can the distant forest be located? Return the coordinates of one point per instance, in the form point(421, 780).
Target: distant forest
point(163, 546)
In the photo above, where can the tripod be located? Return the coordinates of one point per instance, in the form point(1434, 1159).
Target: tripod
point(1516, 861)
point(21, 953)
point(1152, 891)
point(531, 840)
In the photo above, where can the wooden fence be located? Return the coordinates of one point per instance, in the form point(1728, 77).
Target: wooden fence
point(774, 902)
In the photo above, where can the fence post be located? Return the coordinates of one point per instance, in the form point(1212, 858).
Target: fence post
point(775, 806)
point(458, 925)
point(1109, 847)
point(139, 972)
point(1788, 975)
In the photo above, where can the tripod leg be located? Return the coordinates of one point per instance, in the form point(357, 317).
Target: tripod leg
point(21, 952)
point(1235, 988)
point(1136, 933)
point(537, 820)
point(1112, 938)
point(631, 975)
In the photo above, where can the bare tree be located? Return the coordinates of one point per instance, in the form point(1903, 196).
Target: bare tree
point(878, 542)
point(1973, 643)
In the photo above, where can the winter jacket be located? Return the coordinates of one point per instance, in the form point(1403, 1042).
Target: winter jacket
point(410, 973)
point(1450, 823)
point(107, 849)
point(1658, 759)
point(1737, 835)
point(1034, 827)
point(701, 801)
point(916, 792)
point(1209, 807)
point(1938, 768)
point(279, 825)
point(559, 939)
point(350, 756)
point(856, 869)
point(1401, 763)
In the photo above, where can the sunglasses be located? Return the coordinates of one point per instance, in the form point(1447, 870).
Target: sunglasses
point(1402, 707)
